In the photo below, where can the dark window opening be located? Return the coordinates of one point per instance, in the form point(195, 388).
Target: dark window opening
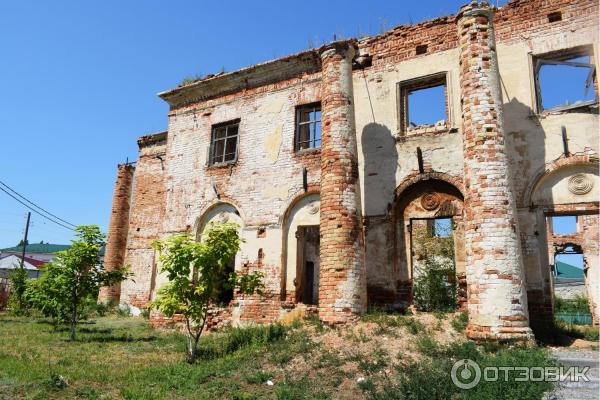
point(555, 16)
point(307, 265)
point(223, 289)
point(565, 81)
point(564, 224)
point(421, 49)
point(423, 104)
point(224, 143)
point(308, 126)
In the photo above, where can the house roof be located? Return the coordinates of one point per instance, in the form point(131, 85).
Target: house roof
point(12, 261)
point(564, 270)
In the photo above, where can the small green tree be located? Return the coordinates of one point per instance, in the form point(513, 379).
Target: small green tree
point(17, 302)
point(195, 273)
point(47, 295)
point(73, 277)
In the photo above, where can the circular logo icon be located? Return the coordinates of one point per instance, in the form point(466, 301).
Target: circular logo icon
point(466, 374)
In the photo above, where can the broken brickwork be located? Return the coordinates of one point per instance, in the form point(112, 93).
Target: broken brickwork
point(118, 229)
point(497, 163)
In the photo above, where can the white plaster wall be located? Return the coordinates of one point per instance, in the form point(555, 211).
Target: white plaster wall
point(383, 162)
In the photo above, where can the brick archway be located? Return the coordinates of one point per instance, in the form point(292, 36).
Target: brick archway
point(426, 197)
point(415, 178)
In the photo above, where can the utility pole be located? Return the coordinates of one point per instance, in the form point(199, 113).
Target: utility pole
point(25, 240)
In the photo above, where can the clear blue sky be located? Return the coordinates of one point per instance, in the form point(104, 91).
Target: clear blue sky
point(79, 82)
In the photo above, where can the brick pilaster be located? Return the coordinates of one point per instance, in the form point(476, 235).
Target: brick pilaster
point(342, 289)
point(497, 300)
point(118, 229)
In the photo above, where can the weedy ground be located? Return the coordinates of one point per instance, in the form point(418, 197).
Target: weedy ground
point(382, 356)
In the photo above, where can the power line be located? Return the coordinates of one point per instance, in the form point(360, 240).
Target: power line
point(37, 212)
point(35, 205)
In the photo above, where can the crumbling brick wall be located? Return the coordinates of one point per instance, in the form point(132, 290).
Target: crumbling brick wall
point(269, 175)
point(118, 229)
point(145, 222)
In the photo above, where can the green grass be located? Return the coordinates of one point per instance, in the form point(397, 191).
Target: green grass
point(428, 378)
point(587, 332)
point(123, 358)
point(118, 357)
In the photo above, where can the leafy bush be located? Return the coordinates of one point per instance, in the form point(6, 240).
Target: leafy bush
point(577, 305)
point(17, 302)
point(124, 310)
point(197, 273)
point(460, 322)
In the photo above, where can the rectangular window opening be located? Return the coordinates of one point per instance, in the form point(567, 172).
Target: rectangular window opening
point(421, 49)
point(224, 143)
point(565, 81)
point(555, 16)
point(423, 105)
point(308, 126)
point(564, 224)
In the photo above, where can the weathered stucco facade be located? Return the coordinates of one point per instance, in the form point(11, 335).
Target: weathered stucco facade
point(499, 166)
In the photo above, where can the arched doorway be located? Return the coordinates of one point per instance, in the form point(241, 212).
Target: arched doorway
point(564, 203)
point(221, 213)
point(429, 210)
point(300, 275)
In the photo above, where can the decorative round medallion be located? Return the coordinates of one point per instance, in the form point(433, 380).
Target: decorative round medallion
point(580, 184)
point(313, 207)
point(430, 201)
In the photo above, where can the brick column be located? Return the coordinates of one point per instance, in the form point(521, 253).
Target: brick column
point(117, 229)
point(342, 288)
point(497, 300)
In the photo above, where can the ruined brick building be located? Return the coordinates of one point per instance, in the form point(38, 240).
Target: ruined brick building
point(315, 157)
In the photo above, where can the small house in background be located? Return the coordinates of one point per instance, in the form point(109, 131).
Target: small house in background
point(38, 251)
point(11, 261)
point(569, 281)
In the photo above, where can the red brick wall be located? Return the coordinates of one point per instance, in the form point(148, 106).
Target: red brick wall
point(118, 229)
point(145, 223)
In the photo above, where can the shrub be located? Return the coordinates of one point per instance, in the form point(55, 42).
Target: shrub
point(412, 325)
point(17, 302)
point(577, 305)
point(460, 322)
point(430, 377)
